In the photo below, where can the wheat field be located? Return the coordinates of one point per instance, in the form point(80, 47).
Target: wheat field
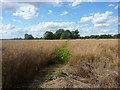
point(22, 58)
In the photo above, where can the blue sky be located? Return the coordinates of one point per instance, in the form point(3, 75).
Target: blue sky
point(36, 18)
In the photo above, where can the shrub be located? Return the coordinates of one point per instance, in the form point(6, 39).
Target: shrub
point(62, 54)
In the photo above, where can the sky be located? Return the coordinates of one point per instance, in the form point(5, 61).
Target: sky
point(90, 18)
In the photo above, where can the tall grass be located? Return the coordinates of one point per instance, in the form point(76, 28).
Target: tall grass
point(90, 57)
point(95, 51)
point(96, 60)
point(22, 58)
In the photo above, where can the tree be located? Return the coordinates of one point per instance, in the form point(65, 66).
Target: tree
point(36, 38)
point(115, 36)
point(94, 36)
point(28, 36)
point(49, 35)
point(58, 33)
point(41, 38)
point(118, 36)
point(109, 36)
point(87, 37)
point(66, 35)
point(75, 34)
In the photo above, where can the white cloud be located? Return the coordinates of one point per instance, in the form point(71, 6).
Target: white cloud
point(105, 30)
point(19, 21)
point(52, 26)
point(76, 2)
point(11, 6)
point(103, 19)
point(57, 3)
point(64, 13)
point(85, 19)
point(109, 31)
point(14, 6)
point(116, 7)
point(7, 27)
point(39, 29)
point(27, 12)
point(17, 5)
point(110, 5)
point(49, 11)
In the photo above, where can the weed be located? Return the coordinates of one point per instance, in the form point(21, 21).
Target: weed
point(48, 76)
point(60, 73)
point(40, 86)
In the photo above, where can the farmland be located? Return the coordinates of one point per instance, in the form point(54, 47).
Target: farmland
point(92, 63)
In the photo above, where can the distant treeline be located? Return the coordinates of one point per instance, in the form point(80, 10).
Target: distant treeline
point(101, 37)
point(67, 34)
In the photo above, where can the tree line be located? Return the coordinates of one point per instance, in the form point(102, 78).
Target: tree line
point(59, 34)
point(101, 37)
point(67, 34)
point(62, 34)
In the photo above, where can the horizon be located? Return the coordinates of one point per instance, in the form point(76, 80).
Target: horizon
point(90, 18)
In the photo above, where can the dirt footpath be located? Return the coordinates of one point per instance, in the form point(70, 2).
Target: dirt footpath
point(77, 78)
point(66, 76)
point(66, 81)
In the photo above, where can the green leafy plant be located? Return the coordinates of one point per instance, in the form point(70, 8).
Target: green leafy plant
point(60, 73)
point(48, 76)
point(62, 54)
point(40, 86)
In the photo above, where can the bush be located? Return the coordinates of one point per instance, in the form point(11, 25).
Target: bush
point(62, 54)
